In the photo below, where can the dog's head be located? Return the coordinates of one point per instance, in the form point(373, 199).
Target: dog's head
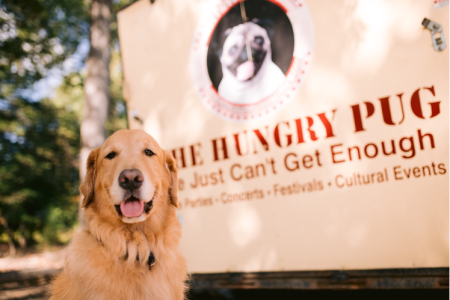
point(130, 177)
point(235, 57)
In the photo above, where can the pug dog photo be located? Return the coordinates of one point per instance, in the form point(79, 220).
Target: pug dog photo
point(249, 74)
point(250, 51)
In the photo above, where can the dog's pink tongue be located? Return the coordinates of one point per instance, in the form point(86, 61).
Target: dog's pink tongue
point(132, 209)
point(245, 71)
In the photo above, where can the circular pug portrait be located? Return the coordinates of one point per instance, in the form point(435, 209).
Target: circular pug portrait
point(248, 61)
point(250, 57)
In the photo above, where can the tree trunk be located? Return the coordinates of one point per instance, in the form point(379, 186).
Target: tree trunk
point(22, 239)
point(96, 85)
point(12, 248)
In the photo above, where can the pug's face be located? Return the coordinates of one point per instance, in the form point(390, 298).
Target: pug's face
point(234, 56)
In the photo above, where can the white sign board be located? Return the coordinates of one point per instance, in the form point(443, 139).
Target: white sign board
point(309, 135)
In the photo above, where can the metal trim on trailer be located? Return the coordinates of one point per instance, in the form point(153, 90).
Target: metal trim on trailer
point(414, 278)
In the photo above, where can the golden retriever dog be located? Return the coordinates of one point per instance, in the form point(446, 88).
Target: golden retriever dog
point(129, 249)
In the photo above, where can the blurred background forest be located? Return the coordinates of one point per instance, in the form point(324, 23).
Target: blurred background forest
point(44, 45)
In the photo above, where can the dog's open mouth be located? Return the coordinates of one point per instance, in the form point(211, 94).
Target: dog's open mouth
point(133, 207)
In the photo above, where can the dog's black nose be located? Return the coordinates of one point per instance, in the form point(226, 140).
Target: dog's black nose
point(131, 179)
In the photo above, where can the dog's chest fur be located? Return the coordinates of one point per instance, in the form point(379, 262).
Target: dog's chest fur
point(97, 274)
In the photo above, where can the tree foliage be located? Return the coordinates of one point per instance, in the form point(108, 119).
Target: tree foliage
point(38, 170)
point(40, 141)
point(36, 36)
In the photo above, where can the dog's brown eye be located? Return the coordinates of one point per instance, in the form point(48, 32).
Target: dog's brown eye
point(149, 152)
point(111, 155)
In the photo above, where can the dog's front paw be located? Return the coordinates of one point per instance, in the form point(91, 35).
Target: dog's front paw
point(138, 249)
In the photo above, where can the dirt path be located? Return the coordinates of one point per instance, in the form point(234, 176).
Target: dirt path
point(27, 276)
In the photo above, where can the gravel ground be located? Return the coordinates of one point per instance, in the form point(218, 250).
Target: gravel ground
point(34, 288)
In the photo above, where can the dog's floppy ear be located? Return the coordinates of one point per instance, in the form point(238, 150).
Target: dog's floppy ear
point(267, 24)
point(87, 187)
point(173, 186)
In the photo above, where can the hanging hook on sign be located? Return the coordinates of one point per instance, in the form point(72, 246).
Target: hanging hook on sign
point(437, 34)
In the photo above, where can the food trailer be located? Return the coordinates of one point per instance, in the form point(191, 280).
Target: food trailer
point(311, 137)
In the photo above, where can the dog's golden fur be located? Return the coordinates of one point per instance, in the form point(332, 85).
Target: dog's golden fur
point(108, 260)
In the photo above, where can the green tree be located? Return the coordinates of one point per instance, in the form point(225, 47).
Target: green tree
point(38, 141)
point(38, 173)
point(36, 36)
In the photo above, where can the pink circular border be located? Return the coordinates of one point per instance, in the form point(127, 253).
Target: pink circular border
point(242, 113)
